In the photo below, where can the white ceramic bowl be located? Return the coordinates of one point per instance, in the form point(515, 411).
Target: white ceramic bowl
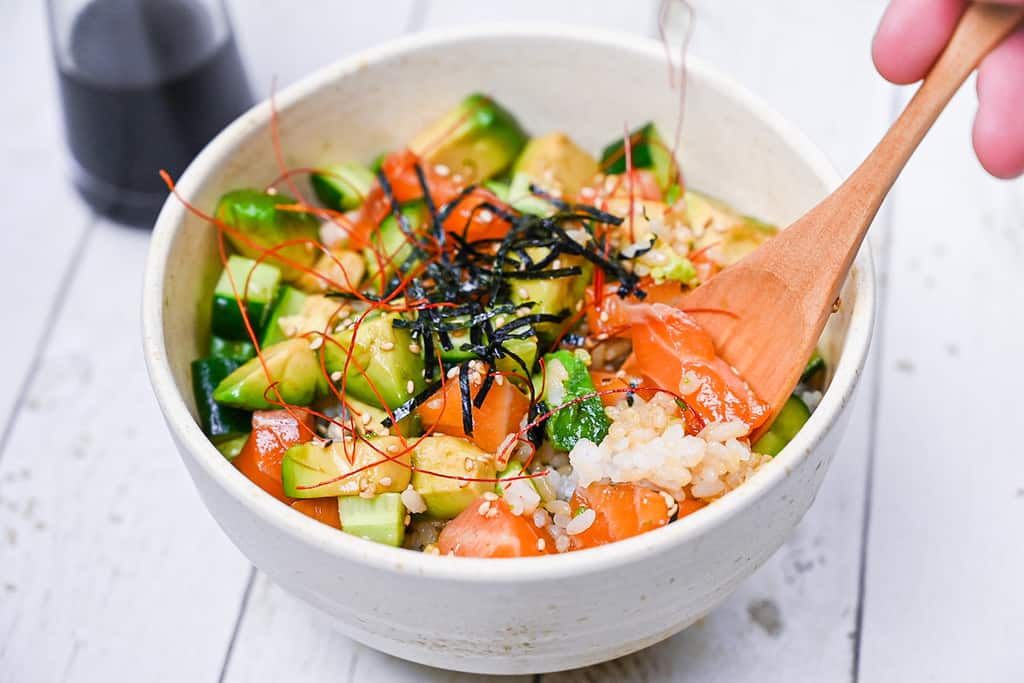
point(529, 614)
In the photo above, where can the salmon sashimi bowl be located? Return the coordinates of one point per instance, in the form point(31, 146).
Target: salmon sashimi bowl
point(479, 345)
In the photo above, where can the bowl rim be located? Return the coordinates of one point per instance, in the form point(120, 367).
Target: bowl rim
point(345, 547)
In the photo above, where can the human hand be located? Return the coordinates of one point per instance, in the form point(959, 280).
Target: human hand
point(909, 40)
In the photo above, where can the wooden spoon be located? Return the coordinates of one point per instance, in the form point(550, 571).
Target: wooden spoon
point(783, 292)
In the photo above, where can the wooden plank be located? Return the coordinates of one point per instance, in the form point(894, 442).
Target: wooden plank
point(636, 16)
point(45, 221)
point(276, 623)
point(108, 561)
point(944, 562)
point(794, 619)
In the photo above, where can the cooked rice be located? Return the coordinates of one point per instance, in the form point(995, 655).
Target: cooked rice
point(647, 443)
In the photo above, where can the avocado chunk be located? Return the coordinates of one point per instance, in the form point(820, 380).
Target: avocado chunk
point(220, 423)
point(255, 285)
point(553, 296)
point(292, 364)
point(791, 418)
point(255, 215)
point(649, 151)
point(556, 163)
point(717, 226)
point(342, 187)
point(289, 301)
point(380, 519)
point(392, 243)
point(339, 269)
point(522, 198)
point(345, 468)
point(446, 497)
point(566, 378)
point(369, 420)
point(383, 369)
point(477, 139)
point(524, 348)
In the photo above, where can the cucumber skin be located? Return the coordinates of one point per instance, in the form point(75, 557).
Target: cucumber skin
point(791, 418)
point(354, 506)
point(237, 350)
point(220, 423)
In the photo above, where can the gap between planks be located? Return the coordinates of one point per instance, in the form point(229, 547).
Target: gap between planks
point(882, 270)
point(52, 315)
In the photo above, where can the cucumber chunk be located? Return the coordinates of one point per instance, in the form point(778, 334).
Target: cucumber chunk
point(380, 519)
point(649, 151)
point(815, 365)
point(342, 187)
point(226, 316)
point(792, 417)
point(220, 423)
point(235, 349)
point(231, 448)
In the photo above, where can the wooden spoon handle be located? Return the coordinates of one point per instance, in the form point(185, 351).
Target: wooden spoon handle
point(982, 27)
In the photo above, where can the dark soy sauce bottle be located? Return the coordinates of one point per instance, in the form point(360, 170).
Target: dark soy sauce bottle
point(144, 84)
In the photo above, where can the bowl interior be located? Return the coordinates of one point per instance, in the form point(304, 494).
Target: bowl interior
point(590, 85)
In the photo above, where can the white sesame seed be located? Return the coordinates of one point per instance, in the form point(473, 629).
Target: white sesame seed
point(540, 519)
point(387, 346)
point(541, 544)
point(523, 293)
point(457, 178)
point(452, 372)
point(485, 216)
point(499, 380)
point(556, 264)
point(493, 512)
point(272, 191)
point(442, 170)
point(484, 507)
point(317, 342)
point(414, 348)
point(410, 386)
point(469, 465)
point(491, 495)
point(587, 192)
point(336, 376)
point(385, 481)
point(393, 448)
point(562, 544)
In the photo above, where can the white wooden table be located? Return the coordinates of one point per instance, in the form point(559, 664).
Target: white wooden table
point(908, 567)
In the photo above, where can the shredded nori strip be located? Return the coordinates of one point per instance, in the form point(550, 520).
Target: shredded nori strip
point(467, 407)
point(405, 410)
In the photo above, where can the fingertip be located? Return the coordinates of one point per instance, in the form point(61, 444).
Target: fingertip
point(998, 133)
point(911, 36)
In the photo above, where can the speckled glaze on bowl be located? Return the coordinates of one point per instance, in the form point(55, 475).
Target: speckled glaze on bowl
point(529, 614)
